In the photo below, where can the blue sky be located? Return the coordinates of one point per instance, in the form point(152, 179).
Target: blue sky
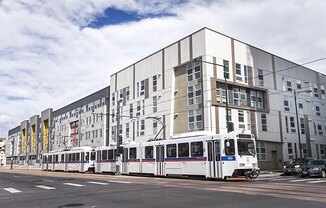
point(56, 52)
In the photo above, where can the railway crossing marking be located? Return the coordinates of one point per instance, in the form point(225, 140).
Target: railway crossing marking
point(73, 184)
point(98, 183)
point(12, 190)
point(45, 187)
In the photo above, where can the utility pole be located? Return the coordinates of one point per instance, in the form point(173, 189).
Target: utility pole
point(118, 140)
point(79, 126)
point(12, 154)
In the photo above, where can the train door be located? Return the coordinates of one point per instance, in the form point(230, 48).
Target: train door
point(82, 162)
point(98, 161)
point(213, 159)
point(159, 160)
point(66, 162)
point(125, 161)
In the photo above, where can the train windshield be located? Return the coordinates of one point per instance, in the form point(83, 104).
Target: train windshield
point(246, 147)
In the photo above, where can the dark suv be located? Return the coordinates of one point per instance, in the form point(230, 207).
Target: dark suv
point(294, 166)
point(314, 168)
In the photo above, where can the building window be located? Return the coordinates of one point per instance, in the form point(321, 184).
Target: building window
point(288, 85)
point(240, 116)
point(142, 127)
point(317, 151)
point(155, 78)
point(127, 93)
point(140, 88)
point(292, 125)
point(226, 68)
point(194, 94)
point(143, 107)
point(220, 93)
point(195, 119)
point(154, 104)
point(256, 99)
point(113, 99)
point(300, 105)
point(261, 77)
point(138, 108)
point(261, 151)
point(304, 150)
point(193, 71)
point(286, 124)
point(302, 126)
point(290, 150)
point(154, 126)
point(317, 110)
point(263, 122)
point(238, 72)
point(127, 130)
point(320, 130)
point(298, 85)
point(113, 134)
point(131, 110)
point(316, 91)
point(286, 103)
point(322, 92)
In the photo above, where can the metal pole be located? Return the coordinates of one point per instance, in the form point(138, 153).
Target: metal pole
point(12, 155)
point(118, 139)
point(297, 116)
point(79, 127)
point(227, 102)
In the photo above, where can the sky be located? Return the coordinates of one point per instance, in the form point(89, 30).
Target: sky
point(53, 53)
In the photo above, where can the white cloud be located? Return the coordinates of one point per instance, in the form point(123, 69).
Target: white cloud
point(50, 59)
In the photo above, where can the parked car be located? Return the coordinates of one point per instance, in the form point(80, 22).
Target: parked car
point(314, 168)
point(294, 166)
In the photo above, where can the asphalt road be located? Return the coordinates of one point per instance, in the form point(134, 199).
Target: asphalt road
point(34, 188)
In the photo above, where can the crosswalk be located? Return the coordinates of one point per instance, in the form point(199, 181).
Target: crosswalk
point(13, 190)
point(292, 180)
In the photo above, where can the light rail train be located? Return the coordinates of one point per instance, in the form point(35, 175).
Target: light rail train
point(220, 156)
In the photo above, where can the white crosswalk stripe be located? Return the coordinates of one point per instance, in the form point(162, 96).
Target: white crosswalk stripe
point(45, 187)
point(126, 182)
point(98, 183)
point(12, 190)
point(301, 180)
point(319, 181)
point(73, 184)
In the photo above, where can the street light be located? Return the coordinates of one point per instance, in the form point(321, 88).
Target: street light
point(297, 116)
point(159, 120)
point(229, 126)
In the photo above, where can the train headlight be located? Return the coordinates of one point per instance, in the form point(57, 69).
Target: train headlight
point(242, 164)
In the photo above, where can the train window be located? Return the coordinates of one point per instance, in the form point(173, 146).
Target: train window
point(74, 157)
point(62, 157)
point(110, 154)
point(50, 158)
point(183, 150)
point(171, 150)
point(57, 158)
point(92, 155)
point(229, 147)
point(77, 156)
point(87, 156)
point(69, 159)
point(149, 152)
point(104, 155)
point(132, 153)
point(196, 149)
point(246, 147)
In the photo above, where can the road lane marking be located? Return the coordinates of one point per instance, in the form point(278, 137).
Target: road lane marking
point(125, 182)
point(12, 190)
point(45, 187)
point(73, 184)
point(47, 180)
point(319, 181)
point(98, 183)
point(300, 180)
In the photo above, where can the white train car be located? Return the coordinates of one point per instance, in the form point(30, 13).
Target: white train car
point(80, 159)
point(105, 159)
point(212, 156)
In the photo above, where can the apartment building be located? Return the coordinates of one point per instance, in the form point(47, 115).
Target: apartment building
point(188, 85)
point(81, 123)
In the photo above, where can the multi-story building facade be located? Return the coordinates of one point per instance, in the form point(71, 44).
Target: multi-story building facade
point(184, 85)
point(60, 129)
point(81, 123)
point(13, 144)
point(2, 152)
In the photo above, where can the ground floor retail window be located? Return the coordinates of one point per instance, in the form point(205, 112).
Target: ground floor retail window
point(261, 151)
